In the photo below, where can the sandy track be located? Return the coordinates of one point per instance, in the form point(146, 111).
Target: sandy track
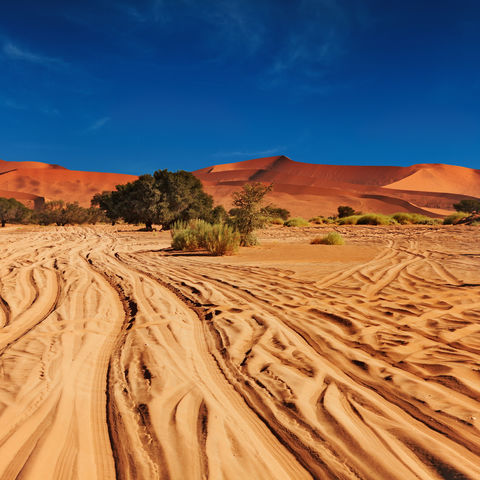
point(118, 360)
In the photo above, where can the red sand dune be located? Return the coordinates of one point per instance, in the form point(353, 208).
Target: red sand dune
point(305, 189)
point(310, 189)
point(52, 182)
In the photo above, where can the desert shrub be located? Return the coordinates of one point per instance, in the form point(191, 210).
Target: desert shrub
point(414, 218)
point(469, 205)
point(272, 211)
point(375, 219)
point(221, 239)
point(346, 211)
point(185, 240)
point(249, 213)
point(296, 222)
point(351, 220)
point(454, 218)
point(331, 238)
point(277, 221)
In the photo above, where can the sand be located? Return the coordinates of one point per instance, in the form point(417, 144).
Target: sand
point(120, 359)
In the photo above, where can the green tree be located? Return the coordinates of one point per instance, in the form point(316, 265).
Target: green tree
point(272, 211)
point(104, 202)
point(164, 198)
point(345, 211)
point(248, 212)
point(12, 210)
point(468, 205)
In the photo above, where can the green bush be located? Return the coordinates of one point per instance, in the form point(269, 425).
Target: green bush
point(277, 221)
point(405, 218)
point(218, 239)
point(375, 219)
point(296, 222)
point(221, 239)
point(321, 220)
point(351, 220)
point(332, 238)
point(454, 218)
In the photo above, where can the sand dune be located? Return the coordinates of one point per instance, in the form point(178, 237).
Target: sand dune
point(288, 361)
point(305, 189)
point(53, 182)
point(310, 189)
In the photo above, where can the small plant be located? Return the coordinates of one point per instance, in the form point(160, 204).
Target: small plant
point(296, 222)
point(455, 218)
point(405, 218)
point(276, 221)
point(375, 219)
point(222, 239)
point(332, 238)
point(351, 220)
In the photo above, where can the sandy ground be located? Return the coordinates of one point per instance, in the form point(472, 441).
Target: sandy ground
point(288, 361)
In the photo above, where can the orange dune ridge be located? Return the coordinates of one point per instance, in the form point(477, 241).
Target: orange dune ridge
point(44, 181)
point(311, 189)
point(305, 189)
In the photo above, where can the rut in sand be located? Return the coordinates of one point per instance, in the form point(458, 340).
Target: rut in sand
point(118, 360)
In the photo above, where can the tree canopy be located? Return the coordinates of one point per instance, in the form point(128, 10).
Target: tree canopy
point(468, 205)
point(12, 210)
point(249, 211)
point(162, 198)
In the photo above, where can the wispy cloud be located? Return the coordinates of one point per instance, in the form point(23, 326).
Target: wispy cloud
point(14, 52)
point(97, 124)
point(9, 103)
point(247, 153)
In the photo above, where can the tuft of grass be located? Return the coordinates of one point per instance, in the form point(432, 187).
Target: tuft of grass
point(405, 218)
point(218, 239)
point(222, 239)
point(455, 218)
point(296, 222)
point(351, 220)
point(375, 219)
point(277, 221)
point(331, 238)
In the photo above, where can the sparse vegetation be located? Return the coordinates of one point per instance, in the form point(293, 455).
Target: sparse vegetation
point(249, 214)
point(276, 221)
point(346, 211)
point(405, 218)
point(218, 239)
point(296, 222)
point(12, 211)
point(351, 220)
point(375, 219)
point(455, 218)
point(331, 238)
point(163, 198)
point(468, 205)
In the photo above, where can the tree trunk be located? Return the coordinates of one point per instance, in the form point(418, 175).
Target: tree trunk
point(148, 226)
point(3, 222)
point(113, 223)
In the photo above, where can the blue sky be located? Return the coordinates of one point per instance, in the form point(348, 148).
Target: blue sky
point(135, 86)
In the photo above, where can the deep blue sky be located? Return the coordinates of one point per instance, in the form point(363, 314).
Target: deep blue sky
point(133, 86)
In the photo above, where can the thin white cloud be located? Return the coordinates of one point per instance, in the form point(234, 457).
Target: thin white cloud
point(14, 52)
point(9, 103)
point(98, 124)
point(259, 153)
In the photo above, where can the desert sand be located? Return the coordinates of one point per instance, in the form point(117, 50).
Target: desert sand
point(122, 359)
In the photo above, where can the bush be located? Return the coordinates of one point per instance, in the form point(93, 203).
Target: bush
point(351, 220)
point(405, 218)
point(454, 218)
point(332, 238)
point(221, 239)
point(346, 211)
point(375, 219)
point(218, 239)
point(296, 222)
point(277, 221)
